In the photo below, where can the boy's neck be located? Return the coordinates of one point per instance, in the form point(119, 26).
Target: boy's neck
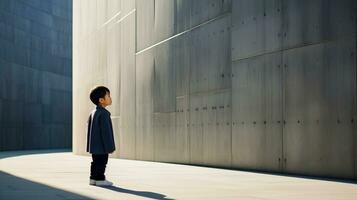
point(99, 105)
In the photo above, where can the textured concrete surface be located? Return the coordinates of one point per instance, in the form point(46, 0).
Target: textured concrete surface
point(249, 84)
point(294, 86)
point(63, 175)
point(35, 74)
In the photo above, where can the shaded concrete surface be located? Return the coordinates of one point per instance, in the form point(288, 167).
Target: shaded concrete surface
point(62, 175)
point(35, 74)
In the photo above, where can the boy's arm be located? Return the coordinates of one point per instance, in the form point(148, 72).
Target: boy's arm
point(106, 132)
point(89, 123)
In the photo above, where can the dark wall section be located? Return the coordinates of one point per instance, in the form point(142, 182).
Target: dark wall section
point(35, 74)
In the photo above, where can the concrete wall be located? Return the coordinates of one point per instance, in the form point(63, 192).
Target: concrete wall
point(35, 74)
point(248, 84)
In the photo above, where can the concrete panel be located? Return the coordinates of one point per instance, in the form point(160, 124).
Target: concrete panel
point(68, 71)
point(161, 19)
point(127, 6)
point(182, 15)
point(33, 114)
point(113, 8)
point(7, 32)
point(38, 137)
point(145, 33)
point(68, 142)
point(127, 89)
point(181, 63)
point(102, 15)
point(196, 130)
point(2, 110)
point(38, 44)
point(207, 121)
point(256, 27)
point(12, 137)
point(210, 129)
point(45, 97)
point(164, 79)
point(307, 22)
point(319, 109)
point(21, 38)
point(205, 10)
point(55, 81)
point(56, 110)
point(216, 122)
point(67, 108)
point(99, 54)
point(164, 136)
point(15, 92)
point(22, 23)
point(32, 86)
point(81, 112)
point(210, 67)
point(57, 135)
point(144, 106)
point(90, 14)
point(257, 113)
point(14, 54)
point(114, 65)
point(12, 89)
point(43, 31)
point(12, 113)
point(32, 13)
point(61, 25)
point(164, 24)
point(56, 106)
point(61, 10)
point(182, 148)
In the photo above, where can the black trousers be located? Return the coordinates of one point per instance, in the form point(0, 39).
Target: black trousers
point(98, 165)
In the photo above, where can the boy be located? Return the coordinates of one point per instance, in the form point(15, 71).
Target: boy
point(100, 139)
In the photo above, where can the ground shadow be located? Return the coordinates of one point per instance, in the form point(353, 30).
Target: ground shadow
point(13, 187)
point(151, 195)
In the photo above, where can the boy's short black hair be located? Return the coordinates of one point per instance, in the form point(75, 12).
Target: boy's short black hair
point(98, 92)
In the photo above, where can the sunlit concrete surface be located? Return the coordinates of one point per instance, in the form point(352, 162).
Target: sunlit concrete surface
point(61, 175)
point(252, 84)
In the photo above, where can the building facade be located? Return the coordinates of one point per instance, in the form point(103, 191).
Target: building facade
point(241, 84)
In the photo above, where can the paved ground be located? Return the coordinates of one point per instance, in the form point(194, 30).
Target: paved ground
point(61, 175)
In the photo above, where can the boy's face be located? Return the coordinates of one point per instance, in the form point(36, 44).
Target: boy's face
point(106, 101)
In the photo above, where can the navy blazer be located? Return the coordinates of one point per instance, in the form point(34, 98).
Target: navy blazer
point(100, 138)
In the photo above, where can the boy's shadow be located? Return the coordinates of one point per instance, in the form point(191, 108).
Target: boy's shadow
point(146, 194)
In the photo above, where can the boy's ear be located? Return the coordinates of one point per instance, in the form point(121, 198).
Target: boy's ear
point(101, 100)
